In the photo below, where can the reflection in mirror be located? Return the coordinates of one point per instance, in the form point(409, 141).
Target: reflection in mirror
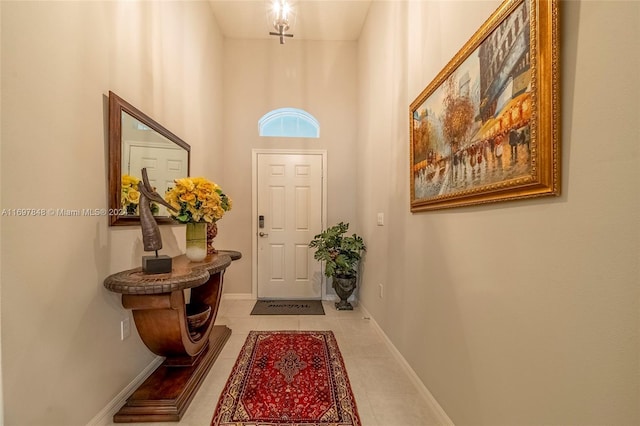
point(137, 141)
point(143, 147)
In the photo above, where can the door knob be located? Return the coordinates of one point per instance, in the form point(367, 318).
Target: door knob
point(262, 234)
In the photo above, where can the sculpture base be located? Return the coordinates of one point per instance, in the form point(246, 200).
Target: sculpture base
point(156, 264)
point(167, 393)
point(343, 305)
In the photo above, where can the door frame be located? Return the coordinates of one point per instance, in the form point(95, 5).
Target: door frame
point(254, 206)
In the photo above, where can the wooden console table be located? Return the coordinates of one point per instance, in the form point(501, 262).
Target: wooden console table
point(183, 333)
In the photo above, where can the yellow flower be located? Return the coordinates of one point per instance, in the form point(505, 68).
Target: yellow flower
point(185, 184)
point(171, 195)
point(129, 195)
point(133, 196)
point(188, 197)
point(214, 199)
point(202, 194)
point(198, 200)
point(128, 180)
point(172, 198)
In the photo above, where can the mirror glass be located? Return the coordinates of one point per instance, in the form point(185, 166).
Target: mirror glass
point(137, 141)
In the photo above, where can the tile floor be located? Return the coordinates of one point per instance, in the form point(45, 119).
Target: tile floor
point(384, 394)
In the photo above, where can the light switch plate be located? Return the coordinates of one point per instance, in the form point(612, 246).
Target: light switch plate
point(380, 219)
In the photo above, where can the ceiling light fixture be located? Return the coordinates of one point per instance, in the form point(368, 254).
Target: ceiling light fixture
point(280, 14)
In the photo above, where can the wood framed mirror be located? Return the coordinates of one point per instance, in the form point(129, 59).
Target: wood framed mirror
point(137, 141)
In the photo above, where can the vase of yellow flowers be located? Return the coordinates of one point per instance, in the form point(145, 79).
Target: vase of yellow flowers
point(198, 202)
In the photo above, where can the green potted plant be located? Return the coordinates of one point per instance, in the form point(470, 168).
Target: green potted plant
point(341, 255)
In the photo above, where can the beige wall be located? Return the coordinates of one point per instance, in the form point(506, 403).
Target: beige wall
point(1, 379)
point(262, 75)
point(513, 313)
point(62, 357)
point(522, 312)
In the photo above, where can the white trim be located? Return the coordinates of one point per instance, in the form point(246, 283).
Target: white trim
point(254, 207)
point(238, 296)
point(443, 418)
point(105, 416)
point(249, 296)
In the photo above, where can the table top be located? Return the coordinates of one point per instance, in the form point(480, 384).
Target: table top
point(184, 274)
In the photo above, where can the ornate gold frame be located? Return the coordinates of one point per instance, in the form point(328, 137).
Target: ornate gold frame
point(542, 175)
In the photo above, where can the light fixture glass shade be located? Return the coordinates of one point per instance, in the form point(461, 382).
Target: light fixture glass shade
point(281, 18)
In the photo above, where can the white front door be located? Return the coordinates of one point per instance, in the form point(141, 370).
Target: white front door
point(289, 214)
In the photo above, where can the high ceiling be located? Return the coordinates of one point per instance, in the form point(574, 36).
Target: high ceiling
point(315, 19)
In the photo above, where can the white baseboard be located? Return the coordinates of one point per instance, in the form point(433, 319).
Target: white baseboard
point(443, 418)
point(238, 296)
point(105, 416)
point(249, 296)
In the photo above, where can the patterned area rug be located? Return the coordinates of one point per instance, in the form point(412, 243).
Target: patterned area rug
point(287, 378)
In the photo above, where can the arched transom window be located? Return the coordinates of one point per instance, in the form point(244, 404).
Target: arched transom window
point(289, 122)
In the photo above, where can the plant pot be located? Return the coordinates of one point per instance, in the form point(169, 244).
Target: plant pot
point(344, 287)
point(196, 241)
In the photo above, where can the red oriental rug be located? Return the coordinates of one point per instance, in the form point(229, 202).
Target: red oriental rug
point(288, 378)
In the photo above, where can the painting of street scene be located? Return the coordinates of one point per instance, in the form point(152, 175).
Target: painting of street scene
point(474, 129)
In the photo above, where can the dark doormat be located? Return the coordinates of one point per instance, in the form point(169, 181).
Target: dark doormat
point(288, 307)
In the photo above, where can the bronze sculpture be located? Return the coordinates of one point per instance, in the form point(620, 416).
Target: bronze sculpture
point(151, 238)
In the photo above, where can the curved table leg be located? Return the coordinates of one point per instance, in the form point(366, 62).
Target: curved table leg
point(161, 320)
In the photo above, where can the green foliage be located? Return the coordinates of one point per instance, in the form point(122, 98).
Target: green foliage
point(340, 253)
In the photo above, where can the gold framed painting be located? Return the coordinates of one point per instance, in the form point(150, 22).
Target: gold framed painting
point(486, 129)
